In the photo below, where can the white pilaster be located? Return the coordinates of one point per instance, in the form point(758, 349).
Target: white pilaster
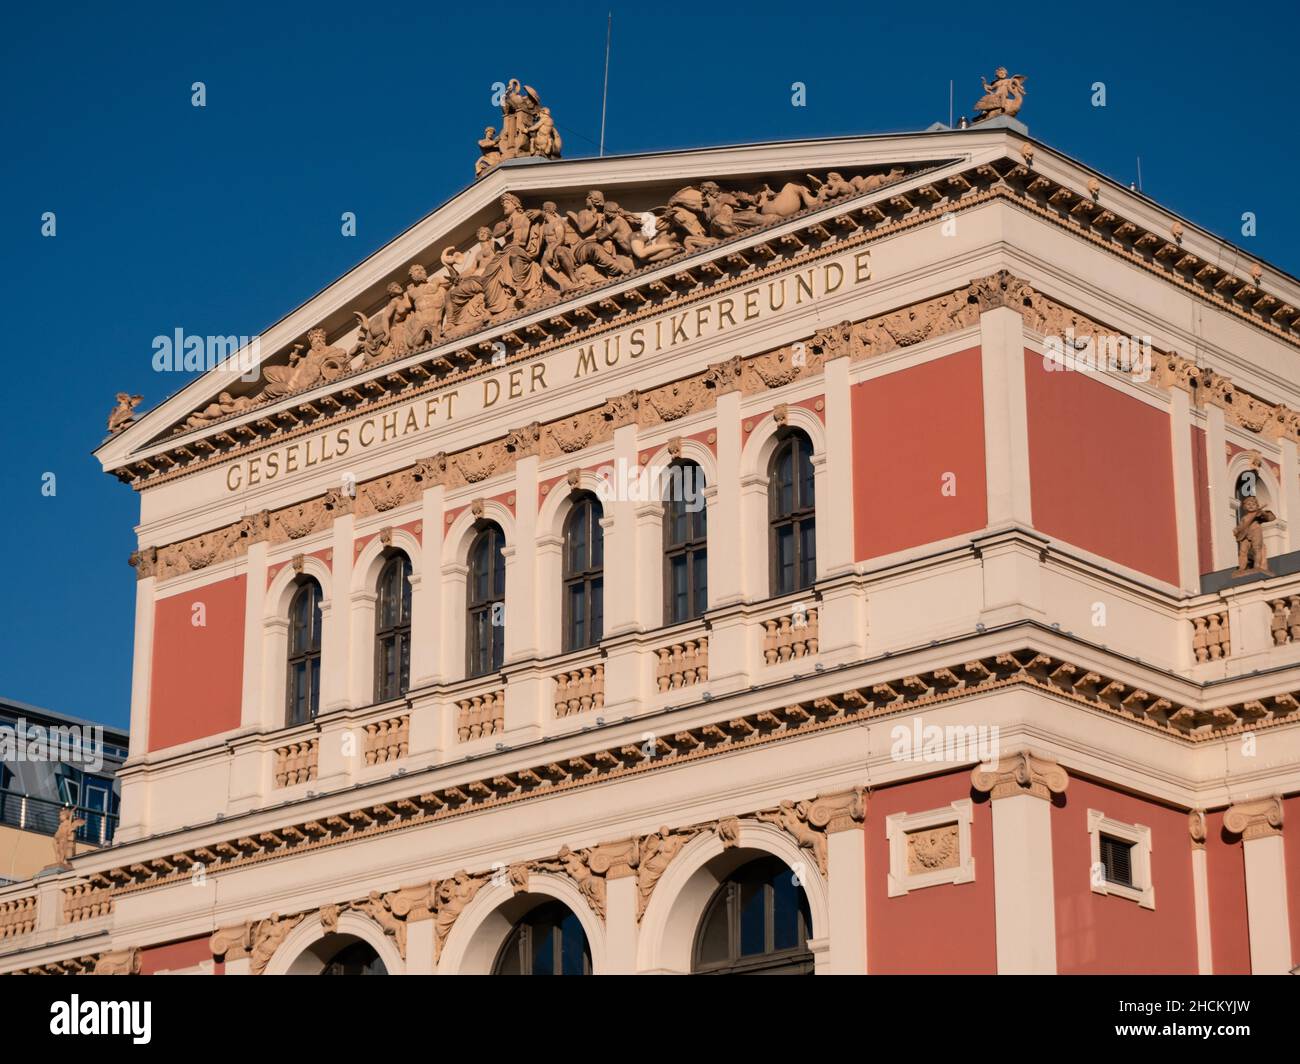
point(835, 504)
point(336, 621)
point(621, 538)
point(427, 665)
point(1216, 442)
point(726, 567)
point(1180, 438)
point(620, 925)
point(1006, 418)
point(847, 887)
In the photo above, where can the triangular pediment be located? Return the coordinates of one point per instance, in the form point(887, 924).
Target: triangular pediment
point(539, 249)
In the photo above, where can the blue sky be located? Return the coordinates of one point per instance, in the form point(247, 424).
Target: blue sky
point(218, 220)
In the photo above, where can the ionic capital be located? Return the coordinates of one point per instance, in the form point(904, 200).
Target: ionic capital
point(1255, 820)
point(1021, 773)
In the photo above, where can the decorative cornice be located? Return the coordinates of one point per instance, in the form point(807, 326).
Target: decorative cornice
point(1021, 773)
point(1023, 668)
point(859, 223)
point(1259, 819)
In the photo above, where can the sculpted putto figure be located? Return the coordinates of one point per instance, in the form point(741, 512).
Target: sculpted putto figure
point(124, 412)
point(320, 362)
point(544, 137)
point(1249, 533)
point(1003, 97)
point(65, 837)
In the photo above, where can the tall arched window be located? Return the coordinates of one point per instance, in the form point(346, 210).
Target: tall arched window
point(686, 570)
point(792, 505)
point(486, 600)
point(548, 941)
point(304, 653)
point(584, 574)
point(758, 923)
point(393, 629)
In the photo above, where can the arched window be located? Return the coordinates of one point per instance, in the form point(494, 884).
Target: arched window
point(304, 653)
point(686, 570)
point(757, 924)
point(548, 941)
point(393, 629)
point(792, 505)
point(356, 958)
point(584, 574)
point(486, 600)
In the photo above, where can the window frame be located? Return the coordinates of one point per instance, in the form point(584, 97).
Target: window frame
point(694, 548)
point(486, 531)
point(294, 658)
point(1143, 889)
point(590, 577)
point(793, 960)
point(552, 915)
point(399, 633)
point(801, 516)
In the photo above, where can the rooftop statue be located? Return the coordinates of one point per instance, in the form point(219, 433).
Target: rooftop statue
point(527, 129)
point(123, 414)
point(1003, 97)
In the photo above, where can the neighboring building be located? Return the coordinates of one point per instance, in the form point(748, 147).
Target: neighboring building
point(50, 761)
point(923, 655)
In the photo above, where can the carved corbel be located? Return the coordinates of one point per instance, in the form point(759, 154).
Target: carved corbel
point(144, 561)
point(1021, 773)
point(119, 962)
point(1196, 828)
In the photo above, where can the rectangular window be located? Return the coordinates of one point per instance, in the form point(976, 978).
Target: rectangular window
point(1117, 860)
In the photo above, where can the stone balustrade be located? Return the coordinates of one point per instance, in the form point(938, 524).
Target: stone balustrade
point(85, 901)
point(297, 763)
point(580, 690)
point(479, 716)
point(1211, 639)
point(1285, 621)
point(17, 917)
point(387, 740)
point(682, 664)
point(789, 636)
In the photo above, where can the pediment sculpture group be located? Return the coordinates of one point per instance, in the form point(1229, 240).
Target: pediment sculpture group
point(527, 258)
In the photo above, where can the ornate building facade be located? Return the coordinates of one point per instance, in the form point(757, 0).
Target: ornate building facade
point(751, 559)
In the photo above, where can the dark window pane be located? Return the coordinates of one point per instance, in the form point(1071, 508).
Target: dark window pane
point(753, 919)
point(785, 910)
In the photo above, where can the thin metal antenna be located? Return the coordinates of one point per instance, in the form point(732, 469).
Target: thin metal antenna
point(950, 103)
point(1139, 158)
point(609, 32)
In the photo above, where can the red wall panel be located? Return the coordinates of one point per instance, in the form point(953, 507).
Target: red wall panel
point(910, 428)
point(1291, 842)
point(176, 955)
point(1226, 870)
point(947, 928)
point(198, 671)
point(1101, 933)
point(1101, 470)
